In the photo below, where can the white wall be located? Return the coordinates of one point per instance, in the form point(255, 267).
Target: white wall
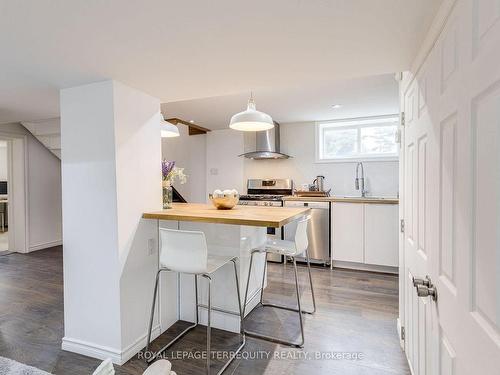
point(220, 167)
point(44, 190)
point(210, 160)
point(108, 182)
point(138, 184)
point(44, 197)
point(188, 152)
point(225, 169)
point(91, 259)
point(298, 141)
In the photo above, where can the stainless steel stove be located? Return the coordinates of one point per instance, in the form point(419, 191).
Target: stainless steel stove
point(268, 193)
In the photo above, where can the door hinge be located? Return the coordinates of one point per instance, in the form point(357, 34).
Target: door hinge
point(402, 333)
point(402, 226)
point(402, 119)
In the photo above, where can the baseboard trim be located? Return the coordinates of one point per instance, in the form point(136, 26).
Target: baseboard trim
point(45, 245)
point(365, 267)
point(91, 350)
point(103, 352)
point(138, 345)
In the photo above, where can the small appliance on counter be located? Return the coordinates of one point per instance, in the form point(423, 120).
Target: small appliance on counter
point(319, 182)
point(316, 189)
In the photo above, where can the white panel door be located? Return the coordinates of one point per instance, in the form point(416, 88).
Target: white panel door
point(381, 234)
point(420, 149)
point(452, 197)
point(347, 228)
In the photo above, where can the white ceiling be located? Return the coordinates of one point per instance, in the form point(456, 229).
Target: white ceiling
point(177, 50)
point(360, 97)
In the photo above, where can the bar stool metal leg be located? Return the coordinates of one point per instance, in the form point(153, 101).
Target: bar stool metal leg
point(248, 282)
point(233, 356)
point(298, 309)
point(298, 302)
point(209, 311)
point(237, 287)
point(150, 328)
point(196, 298)
point(152, 315)
point(209, 308)
point(263, 279)
point(311, 284)
point(269, 304)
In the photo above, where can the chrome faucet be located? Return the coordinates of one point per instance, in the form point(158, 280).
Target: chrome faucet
point(362, 179)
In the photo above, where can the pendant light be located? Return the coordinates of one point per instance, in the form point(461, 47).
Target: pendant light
point(168, 130)
point(251, 120)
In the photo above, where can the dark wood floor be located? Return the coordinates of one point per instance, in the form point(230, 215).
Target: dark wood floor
point(356, 313)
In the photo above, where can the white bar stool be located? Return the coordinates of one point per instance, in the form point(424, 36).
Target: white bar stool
point(187, 252)
point(290, 249)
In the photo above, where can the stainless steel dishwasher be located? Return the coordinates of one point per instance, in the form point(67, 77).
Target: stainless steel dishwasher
point(318, 230)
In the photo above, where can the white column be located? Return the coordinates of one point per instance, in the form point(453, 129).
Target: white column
point(111, 154)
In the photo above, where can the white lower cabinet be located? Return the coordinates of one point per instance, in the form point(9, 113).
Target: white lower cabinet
point(365, 233)
point(381, 234)
point(347, 229)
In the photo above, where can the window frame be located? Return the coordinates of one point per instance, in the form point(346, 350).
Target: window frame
point(357, 123)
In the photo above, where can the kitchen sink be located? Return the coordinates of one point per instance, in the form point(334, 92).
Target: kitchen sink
point(370, 197)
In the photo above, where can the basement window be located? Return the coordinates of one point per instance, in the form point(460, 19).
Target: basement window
point(372, 138)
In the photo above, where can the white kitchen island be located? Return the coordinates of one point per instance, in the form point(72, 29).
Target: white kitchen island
point(232, 232)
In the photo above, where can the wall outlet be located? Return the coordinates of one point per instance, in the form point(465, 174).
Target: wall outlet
point(151, 246)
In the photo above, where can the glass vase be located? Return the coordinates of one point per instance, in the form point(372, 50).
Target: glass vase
point(167, 195)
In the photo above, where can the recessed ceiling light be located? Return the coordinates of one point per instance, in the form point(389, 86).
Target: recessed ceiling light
point(191, 121)
point(336, 106)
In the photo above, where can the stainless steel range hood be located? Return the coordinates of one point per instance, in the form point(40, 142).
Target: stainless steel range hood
point(267, 145)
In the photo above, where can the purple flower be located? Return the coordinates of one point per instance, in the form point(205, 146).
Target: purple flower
point(166, 168)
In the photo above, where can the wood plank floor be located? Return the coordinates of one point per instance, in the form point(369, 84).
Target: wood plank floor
point(356, 313)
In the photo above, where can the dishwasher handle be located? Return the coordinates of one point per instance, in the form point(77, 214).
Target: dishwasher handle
point(308, 204)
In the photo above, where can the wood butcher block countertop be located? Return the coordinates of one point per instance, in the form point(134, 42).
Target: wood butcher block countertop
point(343, 199)
point(257, 216)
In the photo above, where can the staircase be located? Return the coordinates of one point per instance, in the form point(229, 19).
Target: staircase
point(48, 132)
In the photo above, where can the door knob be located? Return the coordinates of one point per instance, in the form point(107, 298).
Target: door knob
point(425, 282)
point(427, 291)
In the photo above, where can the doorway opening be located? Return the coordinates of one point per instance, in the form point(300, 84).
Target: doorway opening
point(4, 196)
point(13, 193)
